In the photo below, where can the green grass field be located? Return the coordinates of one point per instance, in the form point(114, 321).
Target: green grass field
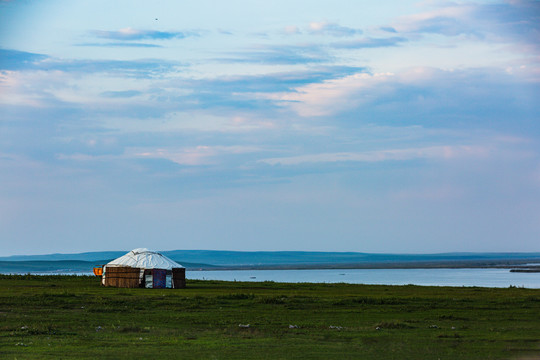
point(64, 317)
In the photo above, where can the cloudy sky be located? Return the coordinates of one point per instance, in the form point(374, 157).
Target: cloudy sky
point(389, 126)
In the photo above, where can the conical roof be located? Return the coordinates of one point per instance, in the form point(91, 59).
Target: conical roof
point(145, 259)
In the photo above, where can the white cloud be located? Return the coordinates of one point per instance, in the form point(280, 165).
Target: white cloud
point(325, 98)
point(331, 29)
point(31, 88)
point(433, 152)
point(292, 30)
point(424, 90)
point(438, 20)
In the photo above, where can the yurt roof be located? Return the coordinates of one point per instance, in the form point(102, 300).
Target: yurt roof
point(145, 259)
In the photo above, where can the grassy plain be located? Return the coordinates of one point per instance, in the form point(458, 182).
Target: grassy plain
point(65, 317)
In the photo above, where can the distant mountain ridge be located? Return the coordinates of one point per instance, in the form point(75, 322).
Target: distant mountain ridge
point(282, 258)
point(63, 266)
point(86, 256)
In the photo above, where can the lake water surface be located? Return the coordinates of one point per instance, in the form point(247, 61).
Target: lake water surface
point(429, 277)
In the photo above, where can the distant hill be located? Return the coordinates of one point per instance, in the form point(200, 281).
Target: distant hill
point(265, 258)
point(65, 266)
point(86, 256)
point(56, 266)
point(213, 259)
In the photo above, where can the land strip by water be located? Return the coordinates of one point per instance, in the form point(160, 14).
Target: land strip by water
point(274, 260)
point(74, 266)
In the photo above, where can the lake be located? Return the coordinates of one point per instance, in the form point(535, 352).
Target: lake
point(489, 277)
point(428, 277)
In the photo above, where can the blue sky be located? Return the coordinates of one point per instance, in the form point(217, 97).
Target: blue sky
point(390, 126)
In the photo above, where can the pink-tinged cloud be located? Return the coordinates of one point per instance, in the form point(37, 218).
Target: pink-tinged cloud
point(439, 193)
point(193, 156)
point(129, 34)
point(292, 30)
point(513, 22)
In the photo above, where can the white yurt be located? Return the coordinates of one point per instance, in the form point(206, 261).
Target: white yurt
point(144, 268)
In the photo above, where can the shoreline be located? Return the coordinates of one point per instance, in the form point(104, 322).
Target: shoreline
point(54, 267)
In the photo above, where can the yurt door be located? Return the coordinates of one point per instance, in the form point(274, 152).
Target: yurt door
point(159, 277)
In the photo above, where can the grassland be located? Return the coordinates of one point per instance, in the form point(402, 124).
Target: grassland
point(64, 317)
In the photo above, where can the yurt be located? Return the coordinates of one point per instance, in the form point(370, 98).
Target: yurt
point(144, 268)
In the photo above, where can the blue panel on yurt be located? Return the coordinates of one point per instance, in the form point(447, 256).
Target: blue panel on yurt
point(159, 278)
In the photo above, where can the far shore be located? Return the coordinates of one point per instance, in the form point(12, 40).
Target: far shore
point(513, 265)
point(80, 267)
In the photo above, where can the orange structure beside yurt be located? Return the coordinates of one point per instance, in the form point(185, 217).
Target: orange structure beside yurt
point(98, 271)
point(144, 268)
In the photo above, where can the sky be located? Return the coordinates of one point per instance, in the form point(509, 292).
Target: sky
point(370, 126)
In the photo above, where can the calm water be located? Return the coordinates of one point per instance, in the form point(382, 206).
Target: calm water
point(427, 277)
point(435, 277)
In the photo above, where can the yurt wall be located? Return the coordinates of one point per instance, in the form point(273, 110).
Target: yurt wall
point(179, 278)
point(122, 276)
